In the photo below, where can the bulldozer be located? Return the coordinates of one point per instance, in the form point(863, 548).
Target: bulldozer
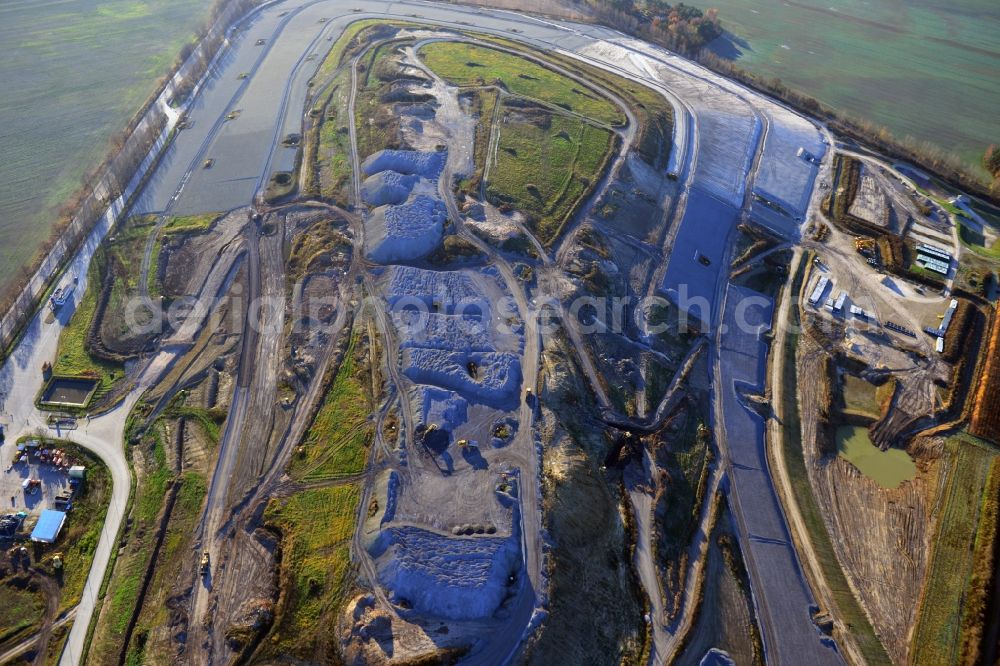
point(206, 563)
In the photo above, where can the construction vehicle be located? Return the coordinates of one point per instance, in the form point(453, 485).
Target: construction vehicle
point(865, 246)
point(206, 563)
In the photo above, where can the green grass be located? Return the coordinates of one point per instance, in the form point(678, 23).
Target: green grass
point(336, 443)
point(938, 631)
point(848, 608)
point(151, 489)
point(72, 357)
point(74, 72)
point(189, 224)
point(210, 420)
point(546, 171)
point(173, 555)
point(21, 610)
point(333, 152)
point(889, 62)
point(333, 59)
point(316, 527)
point(470, 65)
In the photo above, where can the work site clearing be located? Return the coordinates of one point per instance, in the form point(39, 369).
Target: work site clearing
point(451, 335)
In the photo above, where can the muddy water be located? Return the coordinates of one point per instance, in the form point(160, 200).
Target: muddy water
point(887, 468)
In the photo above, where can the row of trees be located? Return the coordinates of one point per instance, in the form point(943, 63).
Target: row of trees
point(679, 27)
point(991, 161)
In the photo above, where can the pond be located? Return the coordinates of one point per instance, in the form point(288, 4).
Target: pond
point(887, 468)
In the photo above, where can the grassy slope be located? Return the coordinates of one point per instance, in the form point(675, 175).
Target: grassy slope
point(937, 634)
point(173, 555)
point(467, 64)
point(151, 488)
point(71, 356)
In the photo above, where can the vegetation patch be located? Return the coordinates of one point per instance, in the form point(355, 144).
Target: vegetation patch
point(311, 249)
point(937, 637)
point(316, 527)
point(985, 420)
point(482, 105)
point(154, 479)
point(171, 558)
point(189, 224)
point(377, 124)
point(546, 164)
point(336, 443)
point(465, 64)
point(22, 609)
point(72, 357)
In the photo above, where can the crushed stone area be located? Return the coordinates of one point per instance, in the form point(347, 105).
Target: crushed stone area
point(488, 377)
point(409, 218)
point(450, 577)
point(407, 231)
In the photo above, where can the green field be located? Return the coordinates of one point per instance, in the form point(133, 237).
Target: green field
point(887, 468)
point(73, 73)
point(937, 638)
point(924, 68)
point(545, 164)
point(466, 64)
point(20, 610)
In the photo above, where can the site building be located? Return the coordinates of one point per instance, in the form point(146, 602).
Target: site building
point(841, 299)
point(817, 292)
point(48, 527)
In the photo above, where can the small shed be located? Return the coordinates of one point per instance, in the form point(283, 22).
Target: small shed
point(77, 472)
point(50, 523)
